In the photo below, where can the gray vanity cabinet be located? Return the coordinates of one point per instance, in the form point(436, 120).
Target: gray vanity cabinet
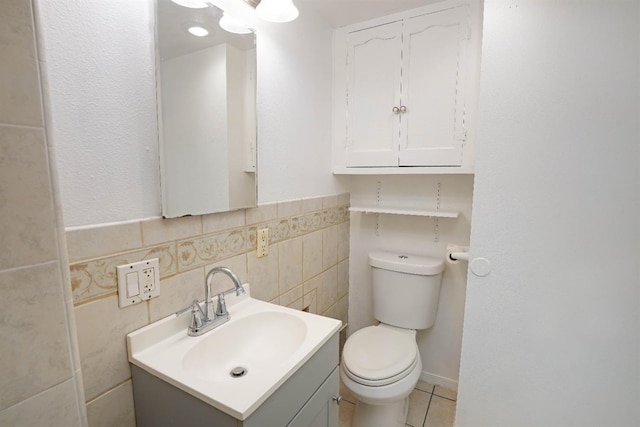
point(306, 399)
point(321, 410)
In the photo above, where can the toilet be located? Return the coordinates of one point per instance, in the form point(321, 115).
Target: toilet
point(381, 364)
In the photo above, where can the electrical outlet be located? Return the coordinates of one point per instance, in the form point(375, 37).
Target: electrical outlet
point(148, 282)
point(263, 243)
point(138, 281)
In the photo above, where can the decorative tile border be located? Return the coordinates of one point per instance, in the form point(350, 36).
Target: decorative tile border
point(208, 249)
point(98, 277)
point(309, 223)
point(211, 248)
point(95, 278)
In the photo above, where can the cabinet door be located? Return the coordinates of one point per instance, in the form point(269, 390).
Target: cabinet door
point(433, 88)
point(321, 410)
point(373, 90)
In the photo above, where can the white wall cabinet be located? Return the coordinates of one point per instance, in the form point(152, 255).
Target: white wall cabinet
point(405, 89)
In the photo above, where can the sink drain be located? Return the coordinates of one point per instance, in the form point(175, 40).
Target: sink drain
point(238, 372)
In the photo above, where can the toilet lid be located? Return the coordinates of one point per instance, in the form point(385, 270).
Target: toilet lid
point(376, 353)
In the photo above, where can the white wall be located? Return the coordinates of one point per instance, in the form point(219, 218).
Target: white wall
point(551, 336)
point(99, 65)
point(99, 68)
point(440, 345)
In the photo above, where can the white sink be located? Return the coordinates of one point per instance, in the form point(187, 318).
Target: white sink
point(259, 341)
point(263, 344)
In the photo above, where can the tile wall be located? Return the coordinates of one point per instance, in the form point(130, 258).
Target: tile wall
point(40, 379)
point(306, 268)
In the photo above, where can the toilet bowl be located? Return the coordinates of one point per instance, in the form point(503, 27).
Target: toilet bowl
point(381, 364)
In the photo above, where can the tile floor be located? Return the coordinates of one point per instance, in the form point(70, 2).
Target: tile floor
point(429, 406)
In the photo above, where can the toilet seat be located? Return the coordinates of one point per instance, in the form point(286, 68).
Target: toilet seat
point(380, 355)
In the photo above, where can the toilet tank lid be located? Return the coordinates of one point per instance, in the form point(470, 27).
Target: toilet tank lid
point(406, 263)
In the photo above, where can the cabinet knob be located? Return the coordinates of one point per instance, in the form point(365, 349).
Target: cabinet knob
point(395, 110)
point(403, 109)
point(337, 399)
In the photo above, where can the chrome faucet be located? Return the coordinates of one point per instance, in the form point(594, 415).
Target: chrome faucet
point(204, 321)
point(208, 298)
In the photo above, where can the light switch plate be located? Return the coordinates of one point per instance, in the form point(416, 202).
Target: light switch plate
point(138, 281)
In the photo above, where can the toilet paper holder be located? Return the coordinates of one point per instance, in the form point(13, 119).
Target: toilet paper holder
point(457, 253)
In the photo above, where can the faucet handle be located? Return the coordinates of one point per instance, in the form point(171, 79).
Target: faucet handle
point(197, 316)
point(187, 308)
point(221, 309)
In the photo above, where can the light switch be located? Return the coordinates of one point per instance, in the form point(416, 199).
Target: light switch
point(133, 284)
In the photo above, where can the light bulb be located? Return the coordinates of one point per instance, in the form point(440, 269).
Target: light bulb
point(277, 10)
point(192, 4)
point(233, 25)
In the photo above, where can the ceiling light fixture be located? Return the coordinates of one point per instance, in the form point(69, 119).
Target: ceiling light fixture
point(192, 4)
point(277, 10)
point(198, 31)
point(233, 25)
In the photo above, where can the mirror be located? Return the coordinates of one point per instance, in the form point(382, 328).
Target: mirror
point(206, 112)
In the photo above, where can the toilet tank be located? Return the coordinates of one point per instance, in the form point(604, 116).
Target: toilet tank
point(406, 289)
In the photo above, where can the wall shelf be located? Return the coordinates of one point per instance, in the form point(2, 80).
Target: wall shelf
point(404, 171)
point(404, 211)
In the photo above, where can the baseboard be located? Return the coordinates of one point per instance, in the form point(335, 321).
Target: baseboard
point(434, 379)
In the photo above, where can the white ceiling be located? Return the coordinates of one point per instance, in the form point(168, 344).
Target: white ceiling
point(174, 40)
point(344, 12)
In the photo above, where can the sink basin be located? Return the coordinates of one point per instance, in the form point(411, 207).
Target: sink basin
point(238, 365)
point(252, 343)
